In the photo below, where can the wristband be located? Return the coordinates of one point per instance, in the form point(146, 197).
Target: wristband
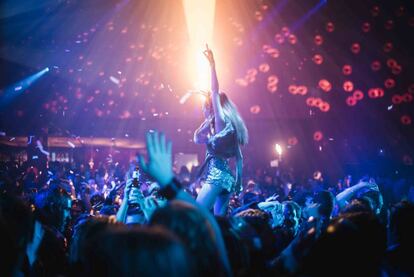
point(171, 190)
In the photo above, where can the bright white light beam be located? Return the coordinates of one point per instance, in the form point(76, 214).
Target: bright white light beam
point(199, 16)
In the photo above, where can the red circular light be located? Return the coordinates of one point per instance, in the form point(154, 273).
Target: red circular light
point(366, 27)
point(292, 141)
point(347, 69)
point(258, 15)
point(325, 85)
point(388, 47)
point(317, 102)
point(375, 65)
point(358, 95)
point(407, 97)
point(396, 69)
point(391, 63)
point(302, 90)
point(389, 24)
point(318, 40)
point(355, 48)
point(250, 78)
point(272, 80)
point(325, 107)
point(373, 93)
point(252, 72)
point(389, 83)
point(351, 101)
point(375, 11)
point(292, 39)
point(255, 109)
point(318, 59)
point(310, 101)
point(273, 52)
point(279, 38)
point(264, 67)
point(396, 99)
point(318, 136)
point(272, 88)
point(292, 89)
point(330, 27)
point(348, 86)
point(406, 120)
point(285, 30)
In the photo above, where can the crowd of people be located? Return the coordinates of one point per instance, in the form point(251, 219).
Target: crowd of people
point(74, 219)
point(142, 219)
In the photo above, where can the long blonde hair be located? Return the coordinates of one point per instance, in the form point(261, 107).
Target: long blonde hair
point(230, 111)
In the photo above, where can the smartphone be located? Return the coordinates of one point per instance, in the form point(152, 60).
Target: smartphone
point(135, 177)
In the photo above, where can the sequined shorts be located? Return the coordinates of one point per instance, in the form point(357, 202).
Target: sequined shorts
point(219, 174)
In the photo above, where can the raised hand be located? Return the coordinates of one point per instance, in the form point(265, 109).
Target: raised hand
point(159, 165)
point(209, 55)
point(373, 185)
point(274, 197)
point(367, 185)
point(136, 196)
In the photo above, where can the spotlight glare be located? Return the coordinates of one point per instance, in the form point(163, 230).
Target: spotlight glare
point(278, 149)
point(200, 22)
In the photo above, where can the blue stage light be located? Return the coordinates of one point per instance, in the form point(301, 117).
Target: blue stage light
point(13, 91)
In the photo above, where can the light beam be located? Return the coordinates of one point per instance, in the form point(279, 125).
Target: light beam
point(13, 91)
point(199, 16)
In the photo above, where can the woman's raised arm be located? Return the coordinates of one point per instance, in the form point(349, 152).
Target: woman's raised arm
point(219, 122)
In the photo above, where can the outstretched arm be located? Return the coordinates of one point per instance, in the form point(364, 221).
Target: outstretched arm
point(343, 197)
point(159, 167)
point(219, 122)
point(121, 215)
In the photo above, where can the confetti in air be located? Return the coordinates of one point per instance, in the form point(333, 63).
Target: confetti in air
point(185, 97)
point(30, 140)
point(71, 144)
point(190, 93)
point(114, 80)
point(41, 149)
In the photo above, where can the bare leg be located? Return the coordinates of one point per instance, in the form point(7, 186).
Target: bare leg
point(208, 195)
point(222, 203)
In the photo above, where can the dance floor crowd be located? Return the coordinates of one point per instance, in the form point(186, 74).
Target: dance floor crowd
point(74, 220)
